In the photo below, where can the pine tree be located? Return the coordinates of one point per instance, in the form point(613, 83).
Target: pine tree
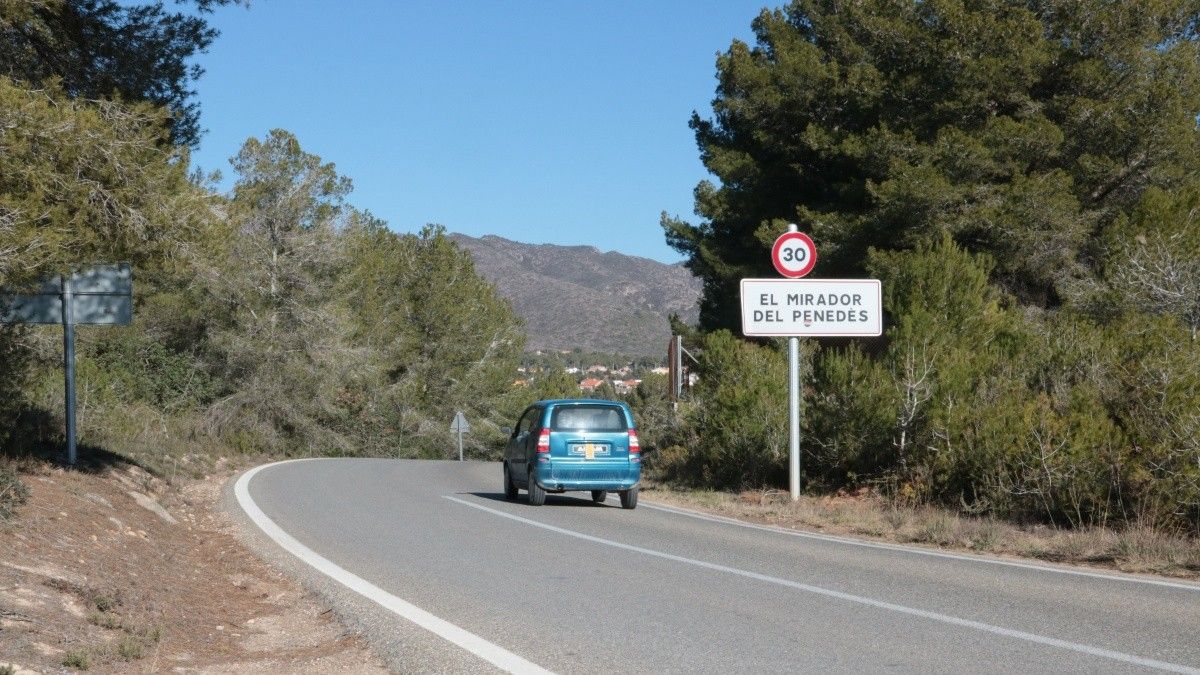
point(1020, 128)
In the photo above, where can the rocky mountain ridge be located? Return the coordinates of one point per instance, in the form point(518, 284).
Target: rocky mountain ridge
point(578, 296)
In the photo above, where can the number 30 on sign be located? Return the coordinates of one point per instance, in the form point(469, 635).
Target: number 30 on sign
point(794, 254)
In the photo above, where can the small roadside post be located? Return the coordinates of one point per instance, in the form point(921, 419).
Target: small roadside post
point(98, 295)
point(794, 307)
point(675, 372)
point(459, 424)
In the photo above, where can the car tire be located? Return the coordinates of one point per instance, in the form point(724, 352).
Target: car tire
point(599, 496)
point(629, 498)
point(510, 488)
point(537, 495)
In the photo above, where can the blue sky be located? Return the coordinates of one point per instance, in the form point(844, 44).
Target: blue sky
point(546, 122)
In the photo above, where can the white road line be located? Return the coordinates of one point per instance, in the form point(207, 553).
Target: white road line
point(492, 653)
point(858, 599)
point(916, 551)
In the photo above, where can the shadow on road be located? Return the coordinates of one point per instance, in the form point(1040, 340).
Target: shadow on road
point(551, 499)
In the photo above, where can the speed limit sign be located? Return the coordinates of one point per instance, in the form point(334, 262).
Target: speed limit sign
point(794, 254)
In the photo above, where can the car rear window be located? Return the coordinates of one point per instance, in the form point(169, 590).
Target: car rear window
point(588, 417)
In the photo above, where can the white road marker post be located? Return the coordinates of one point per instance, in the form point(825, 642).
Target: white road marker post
point(460, 425)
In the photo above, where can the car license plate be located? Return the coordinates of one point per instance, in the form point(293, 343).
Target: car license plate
point(589, 450)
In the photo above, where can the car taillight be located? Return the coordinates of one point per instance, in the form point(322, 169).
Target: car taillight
point(634, 444)
point(544, 441)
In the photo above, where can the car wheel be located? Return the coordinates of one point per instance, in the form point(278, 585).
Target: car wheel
point(537, 495)
point(629, 498)
point(510, 488)
point(599, 496)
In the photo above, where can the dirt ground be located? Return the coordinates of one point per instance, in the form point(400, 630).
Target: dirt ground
point(118, 572)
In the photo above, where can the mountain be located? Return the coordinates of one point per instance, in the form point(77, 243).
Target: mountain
point(576, 296)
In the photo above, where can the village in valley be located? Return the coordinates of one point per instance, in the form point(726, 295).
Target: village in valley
point(593, 371)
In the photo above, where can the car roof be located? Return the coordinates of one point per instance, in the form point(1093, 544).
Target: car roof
point(572, 401)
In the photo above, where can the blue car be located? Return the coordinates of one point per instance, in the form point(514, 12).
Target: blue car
point(574, 444)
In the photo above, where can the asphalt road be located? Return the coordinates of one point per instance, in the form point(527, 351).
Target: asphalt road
point(576, 587)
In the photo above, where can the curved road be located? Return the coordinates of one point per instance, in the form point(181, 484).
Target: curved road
point(445, 575)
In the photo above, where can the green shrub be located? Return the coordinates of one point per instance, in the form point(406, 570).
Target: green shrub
point(130, 648)
point(12, 492)
point(105, 603)
point(849, 420)
point(655, 415)
point(882, 417)
point(121, 366)
point(104, 620)
point(1154, 397)
point(77, 658)
point(735, 428)
point(1074, 417)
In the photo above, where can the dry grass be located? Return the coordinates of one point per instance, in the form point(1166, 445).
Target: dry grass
point(1132, 549)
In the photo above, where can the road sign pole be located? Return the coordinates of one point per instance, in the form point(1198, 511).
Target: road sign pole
point(794, 407)
point(459, 425)
point(794, 416)
point(68, 321)
point(96, 295)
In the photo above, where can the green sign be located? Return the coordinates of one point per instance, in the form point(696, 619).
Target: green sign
point(101, 295)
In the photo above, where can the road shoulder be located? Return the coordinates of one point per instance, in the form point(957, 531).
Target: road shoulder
point(873, 520)
point(404, 646)
point(118, 571)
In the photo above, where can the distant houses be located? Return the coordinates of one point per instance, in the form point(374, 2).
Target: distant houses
point(590, 384)
point(626, 386)
point(620, 386)
point(623, 379)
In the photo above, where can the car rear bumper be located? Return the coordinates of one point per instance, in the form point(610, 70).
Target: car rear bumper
point(579, 475)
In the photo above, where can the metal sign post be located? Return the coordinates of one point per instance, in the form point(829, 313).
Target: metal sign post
point(794, 417)
point(795, 307)
point(794, 255)
point(677, 376)
point(68, 322)
point(100, 295)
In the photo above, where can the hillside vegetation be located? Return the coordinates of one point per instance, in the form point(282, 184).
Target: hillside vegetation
point(1023, 178)
point(274, 319)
